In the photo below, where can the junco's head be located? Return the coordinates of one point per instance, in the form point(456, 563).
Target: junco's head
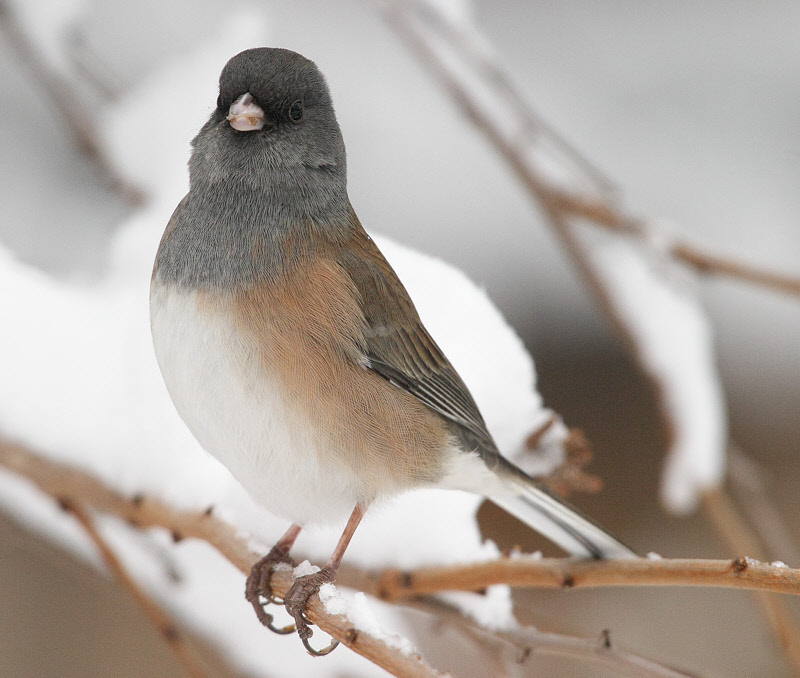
point(274, 123)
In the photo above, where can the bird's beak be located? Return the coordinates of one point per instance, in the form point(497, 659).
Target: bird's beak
point(245, 115)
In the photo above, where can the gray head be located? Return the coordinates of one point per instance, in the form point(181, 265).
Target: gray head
point(267, 172)
point(274, 130)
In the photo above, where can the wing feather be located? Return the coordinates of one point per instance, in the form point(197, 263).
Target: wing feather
point(398, 347)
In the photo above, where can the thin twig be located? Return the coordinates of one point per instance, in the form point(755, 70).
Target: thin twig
point(729, 524)
point(166, 627)
point(526, 641)
point(609, 216)
point(601, 208)
point(754, 497)
point(79, 119)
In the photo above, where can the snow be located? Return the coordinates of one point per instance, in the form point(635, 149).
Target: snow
point(332, 600)
point(489, 610)
point(304, 569)
point(516, 554)
point(674, 342)
point(80, 385)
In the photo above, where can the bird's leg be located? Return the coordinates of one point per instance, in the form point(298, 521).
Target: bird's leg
point(297, 596)
point(259, 582)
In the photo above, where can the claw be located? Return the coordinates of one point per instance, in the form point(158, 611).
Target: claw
point(271, 599)
point(259, 587)
point(268, 620)
point(320, 653)
point(280, 630)
point(296, 599)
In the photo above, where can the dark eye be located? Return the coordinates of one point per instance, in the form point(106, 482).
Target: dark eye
point(219, 101)
point(296, 111)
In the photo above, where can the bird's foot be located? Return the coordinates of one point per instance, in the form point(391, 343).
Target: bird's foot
point(259, 585)
point(296, 600)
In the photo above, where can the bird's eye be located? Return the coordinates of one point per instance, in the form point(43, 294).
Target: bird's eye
point(296, 111)
point(219, 101)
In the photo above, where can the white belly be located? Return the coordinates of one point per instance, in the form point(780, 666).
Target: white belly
point(221, 390)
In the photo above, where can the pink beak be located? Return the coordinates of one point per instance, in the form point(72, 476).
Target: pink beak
point(245, 115)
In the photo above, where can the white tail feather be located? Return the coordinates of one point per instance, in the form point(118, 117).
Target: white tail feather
point(560, 523)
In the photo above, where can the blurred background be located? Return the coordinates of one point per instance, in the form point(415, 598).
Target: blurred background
point(691, 108)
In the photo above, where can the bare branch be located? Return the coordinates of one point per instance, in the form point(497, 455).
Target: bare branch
point(166, 627)
point(563, 573)
point(438, 42)
point(72, 487)
point(609, 216)
point(65, 483)
point(526, 641)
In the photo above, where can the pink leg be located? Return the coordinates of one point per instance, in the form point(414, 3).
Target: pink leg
point(303, 588)
point(344, 541)
point(288, 539)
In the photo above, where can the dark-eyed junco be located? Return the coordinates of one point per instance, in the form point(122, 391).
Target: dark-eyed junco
point(290, 347)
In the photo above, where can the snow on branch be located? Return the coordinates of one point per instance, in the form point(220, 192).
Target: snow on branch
point(74, 489)
point(77, 492)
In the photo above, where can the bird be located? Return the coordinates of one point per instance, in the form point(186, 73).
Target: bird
point(292, 350)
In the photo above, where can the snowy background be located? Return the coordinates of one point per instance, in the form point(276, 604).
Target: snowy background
point(692, 110)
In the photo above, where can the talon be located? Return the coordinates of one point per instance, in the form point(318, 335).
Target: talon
point(320, 653)
point(282, 630)
point(259, 587)
point(295, 602)
point(272, 599)
point(268, 620)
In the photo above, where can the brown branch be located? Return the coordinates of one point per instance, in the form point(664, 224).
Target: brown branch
point(166, 627)
point(730, 525)
point(562, 573)
point(415, 22)
point(526, 641)
point(754, 497)
point(705, 262)
point(600, 650)
point(73, 487)
point(609, 216)
point(67, 483)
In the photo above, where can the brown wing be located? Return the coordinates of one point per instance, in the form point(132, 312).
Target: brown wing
point(398, 347)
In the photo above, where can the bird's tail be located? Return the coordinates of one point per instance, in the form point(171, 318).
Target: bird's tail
point(534, 505)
